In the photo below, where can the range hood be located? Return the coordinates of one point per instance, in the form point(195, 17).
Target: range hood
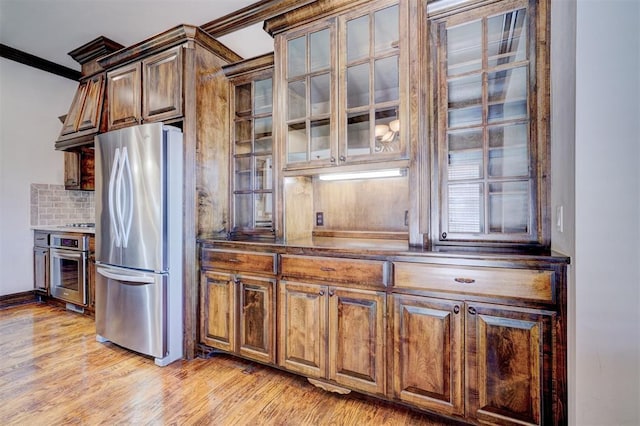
point(85, 118)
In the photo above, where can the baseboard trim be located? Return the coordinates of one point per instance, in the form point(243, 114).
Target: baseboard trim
point(18, 299)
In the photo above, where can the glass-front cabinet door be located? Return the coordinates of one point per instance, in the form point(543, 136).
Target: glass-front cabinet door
point(252, 168)
point(371, 83)
point(486, 124)
point(342, 88)
point(309, 86)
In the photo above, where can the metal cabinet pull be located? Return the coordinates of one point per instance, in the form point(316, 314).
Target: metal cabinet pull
point(472, 310)
point(321, 293)
point(456, 309)
point(327, 269)
point(331, 293)
point(464, 280)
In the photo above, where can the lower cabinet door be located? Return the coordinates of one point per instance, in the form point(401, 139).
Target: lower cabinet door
point(218, 301)
point(302, 310)
point(509, 365)
point(256, 311)
point(357, 339)
point(428, 342)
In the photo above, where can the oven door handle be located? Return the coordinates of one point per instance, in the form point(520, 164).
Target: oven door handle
point(140, 279)
point(67, 254)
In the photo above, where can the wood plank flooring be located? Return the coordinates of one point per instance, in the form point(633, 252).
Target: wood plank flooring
point(52, 371)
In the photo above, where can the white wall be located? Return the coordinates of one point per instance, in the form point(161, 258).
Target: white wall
point(607, 197)
point(30, 103)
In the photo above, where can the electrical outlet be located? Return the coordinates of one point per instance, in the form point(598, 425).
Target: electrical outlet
point(319, 219)
point(560, 218)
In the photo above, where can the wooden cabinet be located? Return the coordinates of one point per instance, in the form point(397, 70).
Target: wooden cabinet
point(237, 309)
point(428, 353)
point(343, 87)
point(124, 96)
point(488, 353)
point(253, 174)
point(41, 262)
point(489, 111)
point(333, 333)
point(509, 364)
point(79, 169)
point(148, 90)
point(84, 114)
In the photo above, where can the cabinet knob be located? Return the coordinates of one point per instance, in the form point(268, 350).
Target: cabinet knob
point(331, 293)
point(343, 158)
point(472, 310)
point(321, 293)
point(456, 309)
point(332, 159)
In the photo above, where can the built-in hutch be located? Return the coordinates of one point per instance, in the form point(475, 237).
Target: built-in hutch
point(430, 284)
point(368, 206)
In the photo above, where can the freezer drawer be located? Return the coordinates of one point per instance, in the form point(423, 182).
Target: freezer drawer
point(131, 309)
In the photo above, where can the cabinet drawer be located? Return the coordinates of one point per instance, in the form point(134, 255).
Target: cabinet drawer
point(239, 261)
point(530, 285)
point(331, 269)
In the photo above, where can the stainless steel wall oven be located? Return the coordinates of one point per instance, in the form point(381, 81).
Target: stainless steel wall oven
point(69, 262)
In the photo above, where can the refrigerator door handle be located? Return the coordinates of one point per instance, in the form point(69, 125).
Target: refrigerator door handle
point(113, 195)
point(127, 209)
point(138, 279)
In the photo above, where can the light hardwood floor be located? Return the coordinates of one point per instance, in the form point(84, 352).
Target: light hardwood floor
point(52, 371)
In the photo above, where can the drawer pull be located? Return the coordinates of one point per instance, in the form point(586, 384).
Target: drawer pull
point(327, 269)
point(233, 260)
point(464, 280)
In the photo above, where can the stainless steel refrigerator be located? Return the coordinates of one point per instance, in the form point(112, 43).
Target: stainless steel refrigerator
point(139, 240)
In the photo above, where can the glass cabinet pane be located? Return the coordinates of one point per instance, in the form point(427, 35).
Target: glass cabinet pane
point(263, 134)
point(243, 99)
point(264, 173)
point(465, 155)
point(263, 210)
point(507, 38)
point(465, 101)
point(297, 143)
point(387, 82)
point(507, 94)
point(358, 134)
point(320, 94)
point(243, 173)
point(464, 48)
point(358, 38)
point(263, 96)
point(297, 97)
point(466, 206)
point(508, 151)
point(319, 50)
point(243, 137)
point(296, 57)
point(387, 130)
point(358, 85)
point(386, 34)
point(509, 207)
point(243, 210)
point(320, 141)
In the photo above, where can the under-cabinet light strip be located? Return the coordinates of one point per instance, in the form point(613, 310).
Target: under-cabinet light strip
point(363, 175)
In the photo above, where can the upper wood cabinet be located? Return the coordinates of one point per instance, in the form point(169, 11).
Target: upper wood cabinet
point(149, 90)
point(253, 176)
point(79, 168)
point(85, 116)
point(342, 86)
point(489, 107)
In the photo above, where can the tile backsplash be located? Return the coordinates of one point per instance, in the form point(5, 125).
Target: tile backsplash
point(53, 205)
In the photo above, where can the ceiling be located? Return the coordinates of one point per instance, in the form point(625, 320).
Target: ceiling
point(52, 28)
